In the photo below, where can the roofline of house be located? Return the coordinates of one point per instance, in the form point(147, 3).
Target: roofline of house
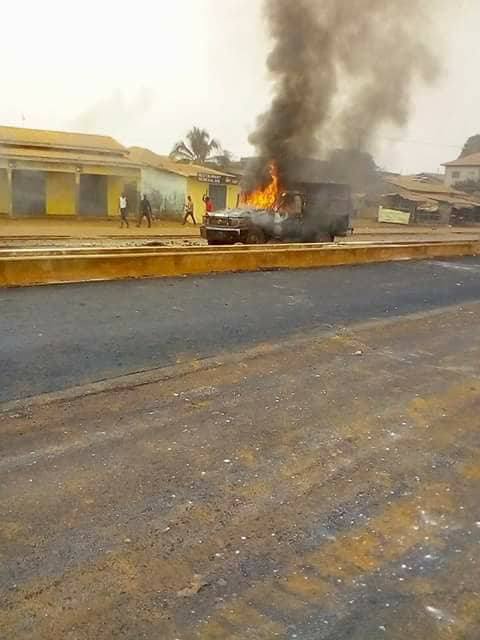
point(110, 144)
point(171, 169)
point(63, 147)
point(112, 162)
point(463, 162)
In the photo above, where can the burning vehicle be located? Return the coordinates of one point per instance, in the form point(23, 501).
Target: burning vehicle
point(314, 213)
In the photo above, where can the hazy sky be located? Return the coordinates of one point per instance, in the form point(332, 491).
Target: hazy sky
point(145, 72)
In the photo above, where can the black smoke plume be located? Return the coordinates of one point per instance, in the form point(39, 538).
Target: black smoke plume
point(341, 69)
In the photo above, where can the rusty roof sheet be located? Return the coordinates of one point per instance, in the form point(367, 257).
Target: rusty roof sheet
point(164, 163)
point(465, 202)
point(473, 160)
point(65, 156)
point(418, 190)
point(20, 137)
point(412, 197)
point(422, 185)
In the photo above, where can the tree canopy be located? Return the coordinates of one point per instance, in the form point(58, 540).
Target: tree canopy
point(197, 147)
point(472, 145)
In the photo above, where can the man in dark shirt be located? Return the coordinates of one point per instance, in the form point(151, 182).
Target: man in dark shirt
point(145, 211)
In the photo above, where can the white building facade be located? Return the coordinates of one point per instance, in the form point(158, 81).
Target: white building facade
point(167, 184)
point(462, 170)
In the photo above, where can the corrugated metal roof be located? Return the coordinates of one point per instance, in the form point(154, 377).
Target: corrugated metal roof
point(422, 185)
point(473, 160)
point(18, 136)
point(148, 158)
point(428, 192)
point(412, 197)
point(71, 157)
point(457, 199)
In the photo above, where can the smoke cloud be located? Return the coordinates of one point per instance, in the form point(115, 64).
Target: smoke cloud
point(341, 69)
point(114, 114)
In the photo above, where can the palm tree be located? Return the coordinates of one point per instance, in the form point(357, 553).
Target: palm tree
point(224, 159)
point(198, 148)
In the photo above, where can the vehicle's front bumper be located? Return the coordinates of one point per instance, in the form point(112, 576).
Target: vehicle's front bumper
point(227, 234)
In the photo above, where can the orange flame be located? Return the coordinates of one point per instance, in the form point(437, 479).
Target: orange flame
point(265, 198)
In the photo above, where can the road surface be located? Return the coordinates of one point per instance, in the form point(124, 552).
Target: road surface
point(322, 487)
point(54, 337)
point(318, 482)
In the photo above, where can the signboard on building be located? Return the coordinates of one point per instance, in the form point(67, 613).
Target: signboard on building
point(393, 216)
point(212, 178)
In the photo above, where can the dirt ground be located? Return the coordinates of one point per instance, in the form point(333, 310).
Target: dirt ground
point(323, 487)
point(43, 233)
point(91, 228)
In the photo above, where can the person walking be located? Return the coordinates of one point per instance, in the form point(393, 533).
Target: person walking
point(189, 211)
point(145, 211)
point(122, 205)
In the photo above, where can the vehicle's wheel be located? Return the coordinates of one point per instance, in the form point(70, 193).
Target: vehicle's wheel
point(214, 242)
point(255, 236)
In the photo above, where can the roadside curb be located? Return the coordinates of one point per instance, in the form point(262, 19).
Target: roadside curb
point(17, 271)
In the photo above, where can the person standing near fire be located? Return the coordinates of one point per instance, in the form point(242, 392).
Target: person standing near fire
point(189, 211)
point(208, 204)
point(123, 205)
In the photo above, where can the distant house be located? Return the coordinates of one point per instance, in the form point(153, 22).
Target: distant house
point(428, 201)
point(462, 170)
point(52, 173)
point(167, 183)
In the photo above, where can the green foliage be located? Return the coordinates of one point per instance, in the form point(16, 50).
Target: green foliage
point(199, 146)
point(472, 145)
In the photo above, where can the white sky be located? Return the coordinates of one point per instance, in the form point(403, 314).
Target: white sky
point(145, 72)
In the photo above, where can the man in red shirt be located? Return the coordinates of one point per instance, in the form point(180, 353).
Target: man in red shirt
point(208, 204)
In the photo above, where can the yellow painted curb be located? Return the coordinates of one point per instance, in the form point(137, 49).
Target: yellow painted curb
point(49, 269)
point(146, 249)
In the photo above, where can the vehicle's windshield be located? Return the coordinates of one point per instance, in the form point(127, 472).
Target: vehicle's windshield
point(290, 203)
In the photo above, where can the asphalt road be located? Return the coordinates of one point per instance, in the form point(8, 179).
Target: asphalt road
point(324, 487)
point(55, 337)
